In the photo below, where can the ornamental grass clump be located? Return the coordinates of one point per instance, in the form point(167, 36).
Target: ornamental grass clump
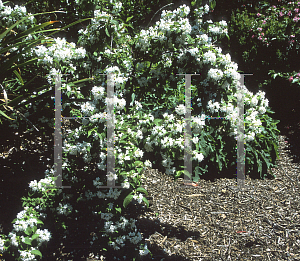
point(149, 122)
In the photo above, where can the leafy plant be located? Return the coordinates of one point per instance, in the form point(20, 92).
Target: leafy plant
point(145, 67)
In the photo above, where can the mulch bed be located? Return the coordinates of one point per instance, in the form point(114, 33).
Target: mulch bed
point(215, 221)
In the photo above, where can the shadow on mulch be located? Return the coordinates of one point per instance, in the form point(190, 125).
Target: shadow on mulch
point(23, 158)
point(292, 131)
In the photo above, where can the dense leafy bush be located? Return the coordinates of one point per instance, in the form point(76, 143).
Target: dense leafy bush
point(266, 39)
point(149, 120)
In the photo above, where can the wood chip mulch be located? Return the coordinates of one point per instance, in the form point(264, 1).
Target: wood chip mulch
point(215, 221)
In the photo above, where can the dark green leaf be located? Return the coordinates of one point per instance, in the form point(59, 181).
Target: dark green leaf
point(127, 200)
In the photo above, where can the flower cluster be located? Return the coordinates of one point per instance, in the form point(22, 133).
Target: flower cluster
point(9, 16)
point(26, 221)
point(59, 51)
point(64, 209)
point(42, 185)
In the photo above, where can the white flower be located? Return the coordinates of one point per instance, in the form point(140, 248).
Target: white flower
point(256, 123)
point(44, 234)
point(2, 241)
point(111, 176)
point(180, 109)
point(144, 251)
point(87, 108)
point(206, 8)
point(209, 57)
point(250, 136)
point(13, 239)
point(215, 30)
point(199, 157)
point(64, 209)
point(213, 107)
point(254, 101)
point(98, 92)
point(195, 140)
point(148, 147)
point(126, 184)
point(139, 153)
point(265, 103)
point(215, 74)
point(138, 197)
point(21, 214)
point(203, 39)
point(223, 23)
point(148, 163)
point(26, 255)
point(262, 110)
point(122, 103)
point(79, 53)
point(138, 105)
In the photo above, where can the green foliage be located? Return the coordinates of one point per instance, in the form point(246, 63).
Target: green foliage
point(261, 40)
point(13, 46)
point(159, 95)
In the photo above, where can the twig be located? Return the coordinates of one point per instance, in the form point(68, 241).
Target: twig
point(163, 240)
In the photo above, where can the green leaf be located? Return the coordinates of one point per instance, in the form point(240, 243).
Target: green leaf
point(146, 201)
point(118, 209)
point(189, 175)
point(28, 231)
point(27, 241)
point(34, 29)
point(140, 170)
point(129, 18)
point(219, 163)
point(127, 200)
point(39, 222)
point(19, 77)
point(132, 99)
point(107, 33)
point(10, 28)
point(1, 112)
point(138, 163)
point(157, 121)
point(34, 236)
point(140, 189)
point(90, 132)
point(114, 22)
point(36, 252)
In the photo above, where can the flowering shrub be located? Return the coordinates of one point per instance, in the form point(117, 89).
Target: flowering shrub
point(268, 37)
point(153, 123)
